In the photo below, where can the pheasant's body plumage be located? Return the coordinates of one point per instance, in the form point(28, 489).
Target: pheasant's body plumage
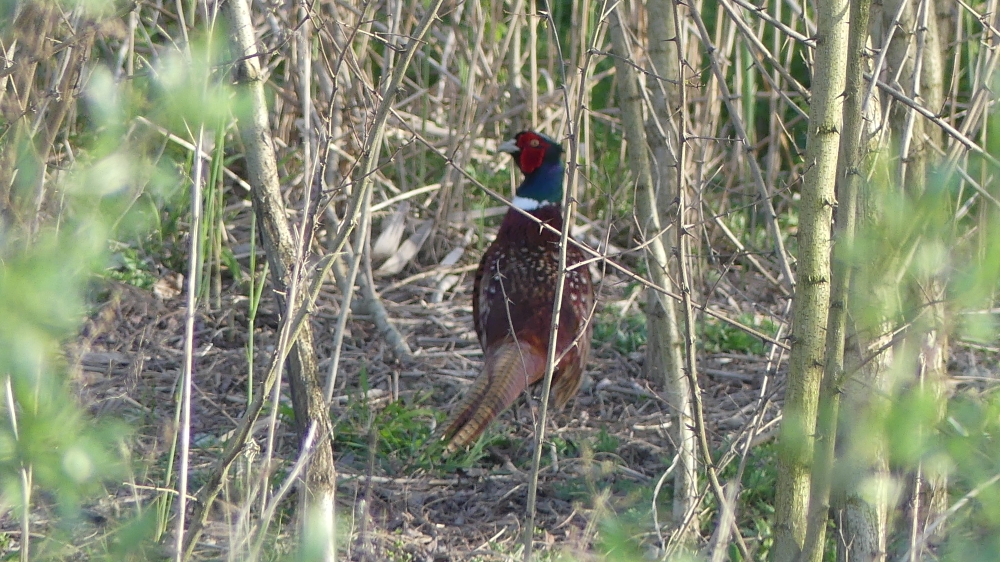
point(513, 295)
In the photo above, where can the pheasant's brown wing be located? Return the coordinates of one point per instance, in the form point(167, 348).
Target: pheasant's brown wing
point(514, 290)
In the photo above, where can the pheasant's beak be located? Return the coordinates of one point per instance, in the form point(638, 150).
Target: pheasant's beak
point(509, 147)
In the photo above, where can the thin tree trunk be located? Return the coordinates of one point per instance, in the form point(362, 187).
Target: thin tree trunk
point(665, 142)
point(812, 293)
point(664, 352)
point(319, 486)
point(861, 507)
point(865, 541)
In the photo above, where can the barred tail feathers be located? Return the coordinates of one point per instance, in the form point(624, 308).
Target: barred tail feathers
point(508, 370)
point(569, 376)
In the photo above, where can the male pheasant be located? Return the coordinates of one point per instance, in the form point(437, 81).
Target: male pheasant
point(513, 295)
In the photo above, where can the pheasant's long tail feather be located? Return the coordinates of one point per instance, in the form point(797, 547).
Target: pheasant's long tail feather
point(508, 369)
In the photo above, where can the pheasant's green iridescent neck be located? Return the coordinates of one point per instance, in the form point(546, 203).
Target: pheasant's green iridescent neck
point(544, 187)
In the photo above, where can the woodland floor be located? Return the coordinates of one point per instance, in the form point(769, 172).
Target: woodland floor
point(610, 445)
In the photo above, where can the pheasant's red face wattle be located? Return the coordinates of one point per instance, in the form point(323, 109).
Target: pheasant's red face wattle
point(532, 152)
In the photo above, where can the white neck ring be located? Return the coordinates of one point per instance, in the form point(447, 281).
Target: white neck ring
point(528, 204)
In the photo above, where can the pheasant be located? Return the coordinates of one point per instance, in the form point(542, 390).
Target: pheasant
point(513, 295)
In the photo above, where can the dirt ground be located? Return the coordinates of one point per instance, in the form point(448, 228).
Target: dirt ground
point(128, 361)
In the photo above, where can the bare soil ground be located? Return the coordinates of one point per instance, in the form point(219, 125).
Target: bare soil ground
point(128, 361)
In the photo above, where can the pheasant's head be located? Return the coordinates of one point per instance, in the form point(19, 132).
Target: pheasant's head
point(538, 157)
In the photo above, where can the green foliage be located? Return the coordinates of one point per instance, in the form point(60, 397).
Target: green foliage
point(749, 223)
point(607, 192)
point(756, 508)
point(128, 266)
point(718, 336)
point(964, 447)
point(121, 215)
point(46, 438)
point(130, 540)
point(602, 478)
point(918, 243)
point(496, 436)
point(625, 334)
point(604, 442)
point(42, 301)
point(394, 437)
point(398, 438)
point(618, 541)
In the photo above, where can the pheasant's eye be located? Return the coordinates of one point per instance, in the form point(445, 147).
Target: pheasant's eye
point(533, 143)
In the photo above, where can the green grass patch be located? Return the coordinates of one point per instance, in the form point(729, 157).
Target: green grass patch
point(393, 437)
point(756, 501)
point(719, 337)
point(624, 334)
